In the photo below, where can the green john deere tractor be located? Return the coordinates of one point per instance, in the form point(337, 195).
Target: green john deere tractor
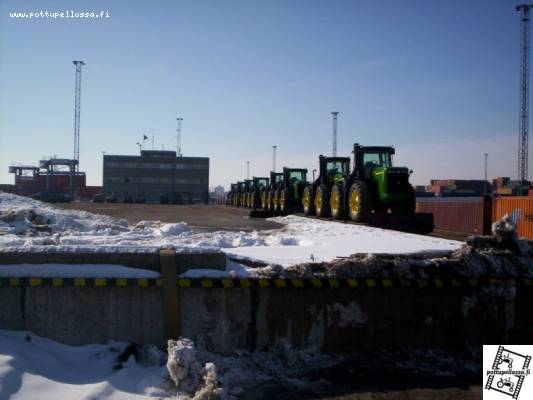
point(247, 189)
point(259, 185)
point(231, 194)
point(290, 190)
point(238, 194)
point(267, 197)
point(315, 198)
point(374, 186)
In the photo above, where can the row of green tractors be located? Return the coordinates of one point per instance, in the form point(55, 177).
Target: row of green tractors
point(370, 186)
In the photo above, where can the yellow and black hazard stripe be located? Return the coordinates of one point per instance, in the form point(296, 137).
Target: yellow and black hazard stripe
point(275, 283)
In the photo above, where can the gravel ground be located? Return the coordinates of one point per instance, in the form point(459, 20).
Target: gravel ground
point(205, 218)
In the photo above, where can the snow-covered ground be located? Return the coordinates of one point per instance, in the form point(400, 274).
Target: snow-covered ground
point(35, 368)
point(27, 224)
point(32, 367)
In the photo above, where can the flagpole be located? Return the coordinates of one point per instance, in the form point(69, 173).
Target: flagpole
point(144, 139)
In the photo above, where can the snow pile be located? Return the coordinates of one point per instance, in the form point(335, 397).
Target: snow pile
point(32, 225)
point(36, 368)
point(25, 216)
point(185, 371)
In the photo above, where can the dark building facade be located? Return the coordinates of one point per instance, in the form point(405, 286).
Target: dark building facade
point(156, 176)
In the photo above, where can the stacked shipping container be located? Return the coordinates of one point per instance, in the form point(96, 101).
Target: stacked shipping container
point(456, 214)
point(474, 215)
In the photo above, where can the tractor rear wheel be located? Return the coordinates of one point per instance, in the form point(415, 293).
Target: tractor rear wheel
point(336, 202)
point(284, 201)
point(307, 201)
point(250, 200)
point(275, 201)
point(359, 202)
point(264, 199)
point(322, 201)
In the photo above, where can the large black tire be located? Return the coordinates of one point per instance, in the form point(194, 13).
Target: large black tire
point(275, 200)
point(359, 205)
point(308, 203)
point(270, 200)
point(337, 202)
point(264, 196)
point(322, 201)
point(285, 202)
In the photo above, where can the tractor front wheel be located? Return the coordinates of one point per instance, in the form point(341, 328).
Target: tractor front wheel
point(322, 201)
point(307, 201)
point(336, 202)
point(359, 202)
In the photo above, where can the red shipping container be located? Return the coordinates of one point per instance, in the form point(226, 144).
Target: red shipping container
point(458, 214)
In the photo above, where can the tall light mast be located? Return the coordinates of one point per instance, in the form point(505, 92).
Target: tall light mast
point(274, 158)
point(523, 130)
point(178, 137)
point(334, 113)
point(77, 106)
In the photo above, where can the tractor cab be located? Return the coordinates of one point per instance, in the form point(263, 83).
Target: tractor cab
point(288, 197)
point(333, 169)
point(370, 160)
point(260, 183)
point(275, 179)
point(294, 175)
point(373, 164)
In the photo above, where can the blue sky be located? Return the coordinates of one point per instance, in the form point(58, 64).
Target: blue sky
point(439, 80)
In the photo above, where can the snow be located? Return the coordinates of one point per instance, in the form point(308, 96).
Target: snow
point(30, 225)
point(325, 240)
point(39, 368)
point(74, 271)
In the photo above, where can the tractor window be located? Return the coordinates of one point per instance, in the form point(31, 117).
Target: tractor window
point(261, 183)
point(337, 167)
point(296, 176)
point(279, 178)
point(377, 159)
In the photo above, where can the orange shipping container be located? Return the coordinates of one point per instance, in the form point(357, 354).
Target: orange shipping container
point(521, 210)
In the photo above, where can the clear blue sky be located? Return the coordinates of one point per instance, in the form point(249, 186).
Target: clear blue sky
point(439, 80)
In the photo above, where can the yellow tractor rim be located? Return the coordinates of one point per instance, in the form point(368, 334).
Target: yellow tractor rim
point(335, 200)
point(306, 200)
point(355, 203)
point(263, 200)
point(282, 201)
point(318, 201)
point(275, 199)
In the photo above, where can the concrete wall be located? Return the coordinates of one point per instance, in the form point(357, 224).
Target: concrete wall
point(332, 319)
